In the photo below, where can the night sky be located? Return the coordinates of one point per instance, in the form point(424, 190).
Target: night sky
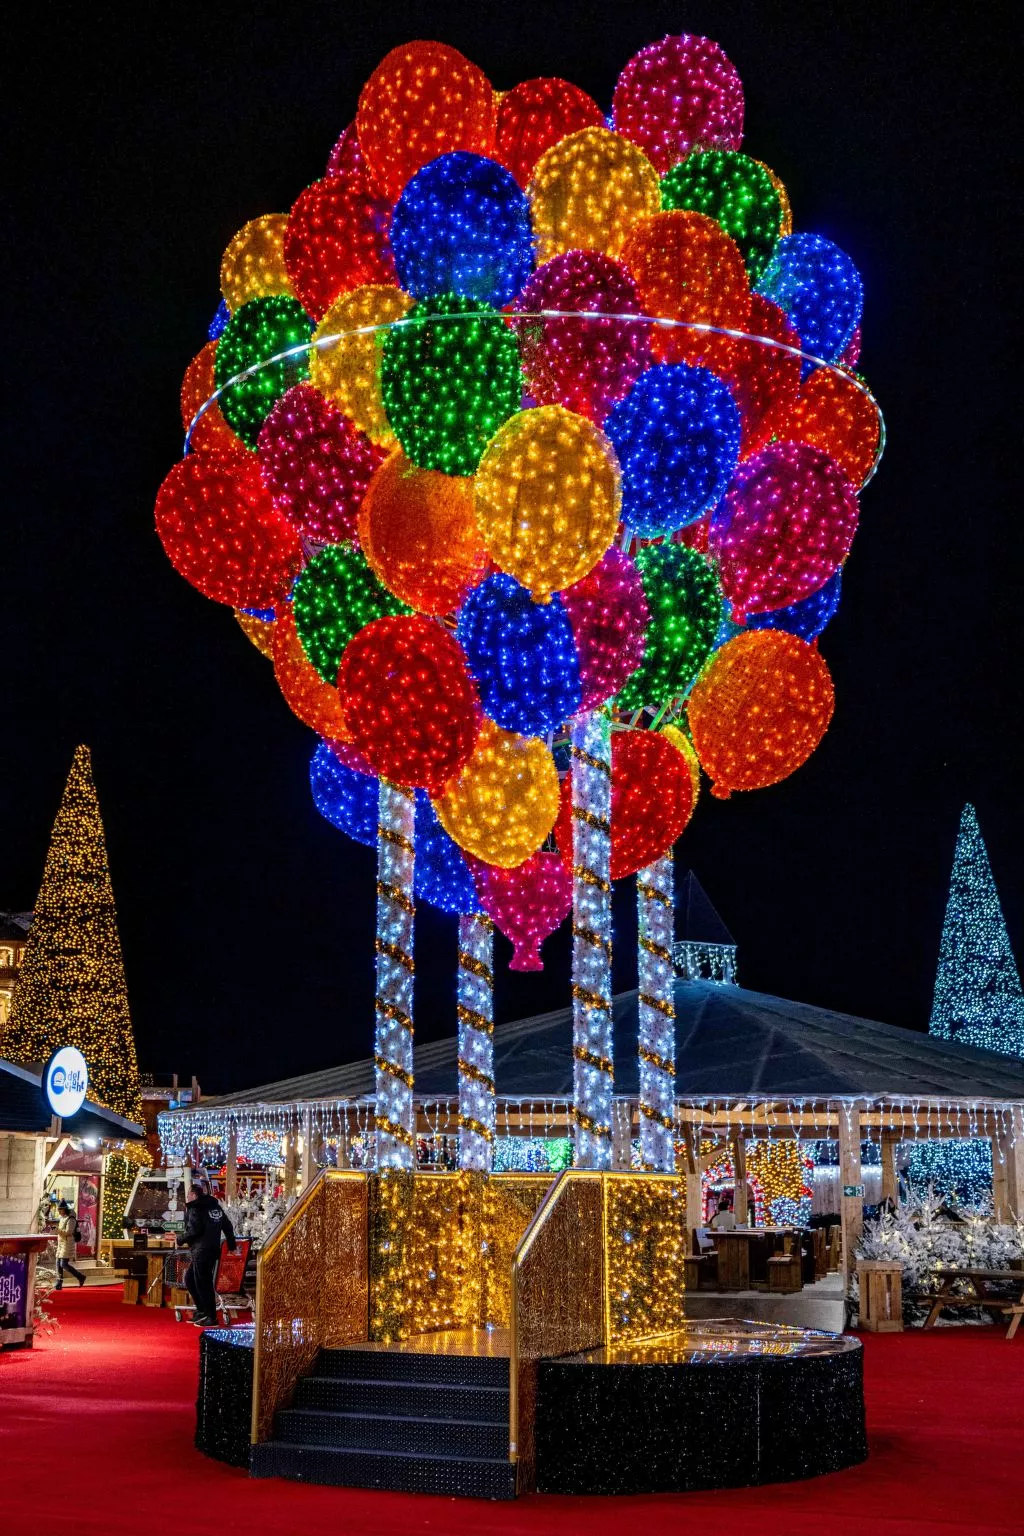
point(247, 921)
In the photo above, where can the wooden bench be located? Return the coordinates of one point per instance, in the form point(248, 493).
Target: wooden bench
point(987, 1288)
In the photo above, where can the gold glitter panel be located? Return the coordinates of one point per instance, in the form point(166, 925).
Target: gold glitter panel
point(311, 1289)
point(645, 1244)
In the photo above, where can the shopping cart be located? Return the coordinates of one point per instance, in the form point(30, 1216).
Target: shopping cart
point(228, 1282)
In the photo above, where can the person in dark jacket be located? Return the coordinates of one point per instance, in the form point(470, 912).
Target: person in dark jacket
point(206, 1224)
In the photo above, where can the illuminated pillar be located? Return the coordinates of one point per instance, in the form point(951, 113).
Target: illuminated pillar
point(476, 1041)
point(656, 1042)
point(396, 821)
point(592, 939)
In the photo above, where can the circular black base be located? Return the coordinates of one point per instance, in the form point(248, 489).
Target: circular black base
point(224, 1403)
point(721, 1405)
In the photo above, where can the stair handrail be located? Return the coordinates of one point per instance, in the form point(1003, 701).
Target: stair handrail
point(321, 1282)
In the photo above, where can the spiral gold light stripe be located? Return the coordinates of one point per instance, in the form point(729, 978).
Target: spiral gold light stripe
point(593, 1073)
point(393, 1044)
point(656, 1045)
point(476, 1041)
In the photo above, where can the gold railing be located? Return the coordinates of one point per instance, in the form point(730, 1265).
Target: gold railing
point(601, 1263)
point(312, 1289)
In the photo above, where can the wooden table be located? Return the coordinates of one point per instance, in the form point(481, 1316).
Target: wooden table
point(743, 1255)
point(997, 1290)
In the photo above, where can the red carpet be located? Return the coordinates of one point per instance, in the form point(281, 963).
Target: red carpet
point(96, 1431)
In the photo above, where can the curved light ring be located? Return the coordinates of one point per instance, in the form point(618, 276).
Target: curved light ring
point(306, 347)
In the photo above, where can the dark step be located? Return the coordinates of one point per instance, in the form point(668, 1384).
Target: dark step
point(359, 1432)
point(411, 1365)
point(415, 1399)
point(394, 1471)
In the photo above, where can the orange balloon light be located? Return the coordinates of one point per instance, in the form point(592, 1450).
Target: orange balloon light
point(503, 804)
point(259, 632)
point(687, 268)
point(348, 370)
point(759, 709)
point(588, 191)
point(252, 266)
point(211, 433)
point(417, 529)
point(423, 100)
point(316, 703)
point(833, 414)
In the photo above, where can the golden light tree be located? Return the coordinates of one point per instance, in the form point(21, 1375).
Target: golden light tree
point(71, 988)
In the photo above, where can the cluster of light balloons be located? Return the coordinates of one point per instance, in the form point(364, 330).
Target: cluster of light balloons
point(522, 411)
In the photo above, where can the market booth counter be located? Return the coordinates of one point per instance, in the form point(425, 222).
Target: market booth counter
point(18, 1254)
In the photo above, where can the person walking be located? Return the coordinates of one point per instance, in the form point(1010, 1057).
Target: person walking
point(67, 1228)
point(206, 1224)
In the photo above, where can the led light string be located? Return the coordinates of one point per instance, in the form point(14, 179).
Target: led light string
point(656, 1040)
point(393, 1061)
point(476, 1041)
point(593, 1072)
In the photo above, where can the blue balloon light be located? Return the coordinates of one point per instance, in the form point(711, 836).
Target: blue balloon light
point(345, 798)
point(522, 655)
point(820, 290)
point(462, 226)
point(807, 618)
point(677, 438)
point(221, 316)
point(442, 876)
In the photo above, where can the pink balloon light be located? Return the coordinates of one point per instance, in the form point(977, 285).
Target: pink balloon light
point(676, 95)
point(346, 158)
point(609, 615)
point(785, 524)
point(316, 464)
point(585, 365)
point(527, 903)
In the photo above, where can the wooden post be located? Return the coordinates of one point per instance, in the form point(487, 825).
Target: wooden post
point(308, 1164)
point(231, 1167)
point(740, 1205)
point(851, 1207)
point(890, 1185)
point(290, 1161)
point(691, 1167)
point(1008, 1170)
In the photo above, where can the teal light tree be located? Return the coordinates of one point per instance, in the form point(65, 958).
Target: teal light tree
point(978, 999)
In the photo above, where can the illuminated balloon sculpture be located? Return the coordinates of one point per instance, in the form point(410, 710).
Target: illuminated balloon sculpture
point(527, 445)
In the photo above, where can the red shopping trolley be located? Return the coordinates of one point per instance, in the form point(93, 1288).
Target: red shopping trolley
point(228, 1282)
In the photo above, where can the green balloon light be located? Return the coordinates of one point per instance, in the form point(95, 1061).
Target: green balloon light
point(334, 598)
point(685, 605)
point(448, 384)
point(256, 331)
point(737, 191)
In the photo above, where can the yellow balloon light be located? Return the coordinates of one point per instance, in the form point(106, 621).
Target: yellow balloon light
point(260, 632)
point(252, 266)
point(548, 496)
point(503, 804)
point(759, 709)
point(588, 191)
point(682, 743)
point(418, 532)
point(785, 207)
point(348, 371)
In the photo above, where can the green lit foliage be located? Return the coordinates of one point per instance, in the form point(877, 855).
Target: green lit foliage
point(978, 999)
point(449, 384)
point(738, 192)
point(685, 605)
point(71, 987)
point(335, 596)
point(259, 330)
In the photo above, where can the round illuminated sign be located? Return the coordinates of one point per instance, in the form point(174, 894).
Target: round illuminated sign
point(65, 1081)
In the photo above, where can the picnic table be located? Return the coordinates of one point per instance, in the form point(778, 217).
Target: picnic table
point(997, 1290)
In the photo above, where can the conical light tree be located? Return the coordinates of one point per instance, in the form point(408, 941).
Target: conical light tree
point(978, 998)
point(71, 988)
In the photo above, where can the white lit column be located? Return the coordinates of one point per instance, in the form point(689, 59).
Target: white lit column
point(591, 770)
point(476, 1041)
point(396, 823)
point(656, 1042)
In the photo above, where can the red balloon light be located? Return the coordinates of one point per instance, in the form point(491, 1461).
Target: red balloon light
point(652, 799)
point(536, 114)
point(222, 532)
point(785, 524)
point(676, 95)
point(527, 903)
point(336, 240)
point(316, 464)
point(411, 707)
point(764, 380)
point(316, 703)
point(423, 100)
point(608, 613)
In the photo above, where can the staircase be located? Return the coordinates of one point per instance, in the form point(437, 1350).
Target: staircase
point(400, 1419)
